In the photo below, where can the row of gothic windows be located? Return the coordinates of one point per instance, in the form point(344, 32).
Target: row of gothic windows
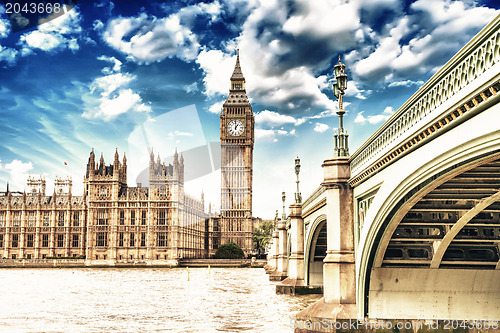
point(59, 241)
point(31, 220)
point(140, 240)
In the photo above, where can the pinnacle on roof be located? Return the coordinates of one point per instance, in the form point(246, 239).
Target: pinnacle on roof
point(237, 73)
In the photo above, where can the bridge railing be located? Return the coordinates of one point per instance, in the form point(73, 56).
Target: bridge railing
point(473, 60)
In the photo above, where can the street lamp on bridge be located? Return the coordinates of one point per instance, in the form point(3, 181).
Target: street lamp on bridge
point(341, 139)
point(283, 197)
point(298, 197)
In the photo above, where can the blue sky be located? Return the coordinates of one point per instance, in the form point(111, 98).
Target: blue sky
point(146, 74)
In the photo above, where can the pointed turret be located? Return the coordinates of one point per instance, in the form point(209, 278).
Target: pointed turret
point(181, 168)
point(54, 195)
point(237, 73)
point(151, 166)
point(175, 172)
point(124, 168)
point(116, 162)
point(237, 94)
point(91, 164)
point(101, 165)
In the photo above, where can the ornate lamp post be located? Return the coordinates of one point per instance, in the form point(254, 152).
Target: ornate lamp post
point(283, 216)
point(298, 197)
point(341, 139)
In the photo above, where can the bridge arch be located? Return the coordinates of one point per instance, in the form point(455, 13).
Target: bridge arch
point(313, 267)
point(288, 246)
point(397, 199)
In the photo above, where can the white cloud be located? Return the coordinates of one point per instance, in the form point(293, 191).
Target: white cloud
point(376, 119)
point(73, 44)
point(218, 67)
point(216, 107)
point(41, 40)
point(8, 55)
point(155, 39)
point(179, 133)
point(98, 25)
point(188, 14)
point(17, 172)
point(456, 13)
point(405, 83)
point(54, 33)
point(110, 83)
point(191, 88)
point(4, 28)
point(66, 24)
point(125, 101)
point(353, 89)
point(115, 62)
point(387, 50)
point(326, 113)
point(315, 17)
point(417, 43)
point(272, 118)
point(272, 134)
point(114, 98)
point(320, 127)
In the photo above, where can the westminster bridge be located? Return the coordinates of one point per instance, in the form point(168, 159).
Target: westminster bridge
point(408, 226)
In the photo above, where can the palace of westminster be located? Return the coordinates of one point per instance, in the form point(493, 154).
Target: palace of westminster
point(114, 222)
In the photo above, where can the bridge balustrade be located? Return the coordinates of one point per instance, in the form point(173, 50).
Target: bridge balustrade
point(462, 70)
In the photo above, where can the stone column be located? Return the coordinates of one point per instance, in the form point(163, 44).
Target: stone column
point(22, 225)
point(67, 227)
point(281, 268)
point(8, 228)
point(52, 252)
point(339, 274)
point(38, 224)
point(275, 250)
point(296, 263)
point(272, 256)
point(339, 271)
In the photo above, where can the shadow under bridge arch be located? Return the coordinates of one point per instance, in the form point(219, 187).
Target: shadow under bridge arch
point(315, 252)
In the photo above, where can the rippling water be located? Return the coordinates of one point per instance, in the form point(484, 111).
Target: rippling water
point(118, 300)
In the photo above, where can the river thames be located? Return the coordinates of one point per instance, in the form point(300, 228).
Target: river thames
point(138, 299)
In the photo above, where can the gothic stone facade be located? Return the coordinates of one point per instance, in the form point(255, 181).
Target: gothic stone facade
point(111, 221)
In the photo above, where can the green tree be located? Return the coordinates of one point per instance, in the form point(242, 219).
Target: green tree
point(262, 235)
point(229, 251)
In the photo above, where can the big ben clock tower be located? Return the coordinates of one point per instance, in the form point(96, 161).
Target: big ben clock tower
point(237, 138)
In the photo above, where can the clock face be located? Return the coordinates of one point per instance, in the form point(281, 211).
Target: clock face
point(235, 127)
